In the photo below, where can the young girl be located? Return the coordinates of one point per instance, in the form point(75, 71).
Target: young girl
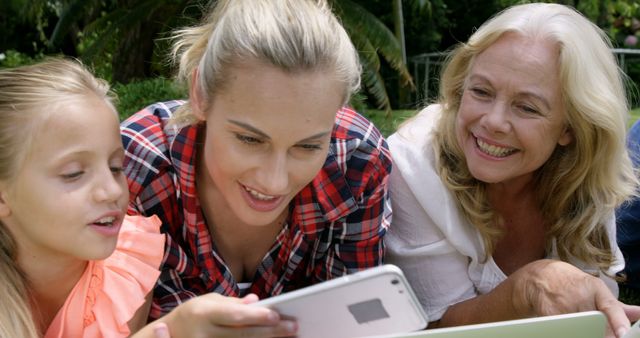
point(71, 264)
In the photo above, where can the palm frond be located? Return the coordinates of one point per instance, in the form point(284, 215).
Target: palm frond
point(424, 6)
point(68, 16)
point(31, 10)
point(361, 22)
point(375, 85)
point(371, 78)
point(121, 19)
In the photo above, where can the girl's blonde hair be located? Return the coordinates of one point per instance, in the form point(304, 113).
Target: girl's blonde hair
point(293, 35)
point(580, 185)
point(27, 95)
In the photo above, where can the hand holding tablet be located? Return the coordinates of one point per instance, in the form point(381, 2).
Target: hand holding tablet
point(375, 301)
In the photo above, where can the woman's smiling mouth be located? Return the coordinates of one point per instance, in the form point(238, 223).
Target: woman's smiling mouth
point(494, 150)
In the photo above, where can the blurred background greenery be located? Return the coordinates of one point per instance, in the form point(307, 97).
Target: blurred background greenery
point(126, 41)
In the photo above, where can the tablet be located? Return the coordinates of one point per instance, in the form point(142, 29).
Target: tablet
point(634, 332)
point(589, 324)
point(370, 302)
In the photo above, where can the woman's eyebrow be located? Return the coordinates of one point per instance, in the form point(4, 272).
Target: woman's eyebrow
point(250, 128)
point(264, 135)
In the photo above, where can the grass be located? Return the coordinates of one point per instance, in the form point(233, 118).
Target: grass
point(388, 124)
point(634, 115)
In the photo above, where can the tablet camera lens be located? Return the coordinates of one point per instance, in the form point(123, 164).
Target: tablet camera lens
point(395, 281)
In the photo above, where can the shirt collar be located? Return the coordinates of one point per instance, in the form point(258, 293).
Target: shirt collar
point(183, 150)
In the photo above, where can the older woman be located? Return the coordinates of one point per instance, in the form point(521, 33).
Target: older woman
point(505, 190)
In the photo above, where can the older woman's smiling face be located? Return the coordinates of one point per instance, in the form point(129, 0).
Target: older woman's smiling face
point(512, 115)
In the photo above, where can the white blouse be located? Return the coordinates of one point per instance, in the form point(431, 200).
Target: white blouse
point(439, 251)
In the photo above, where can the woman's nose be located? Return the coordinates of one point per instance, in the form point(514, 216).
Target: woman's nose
point(497, 119)
point(273, 175)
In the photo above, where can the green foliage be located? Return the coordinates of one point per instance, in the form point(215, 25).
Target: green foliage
point(18, 34)
point(358, 102)
point(12, 58)
point(425, 28)
point(136, 95)
point(629, 295)
point(634, 115)
point(101, 62)
point(624, 23)
point(115, 36)
point(373, 40)
point(107, 33)
point(387, 123)
point(120, 37)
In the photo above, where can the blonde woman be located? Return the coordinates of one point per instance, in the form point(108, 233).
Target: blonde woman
point(264, 181)
point(504, 191)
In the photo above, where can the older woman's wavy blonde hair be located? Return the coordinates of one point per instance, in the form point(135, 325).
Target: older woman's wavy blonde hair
point(581, 183)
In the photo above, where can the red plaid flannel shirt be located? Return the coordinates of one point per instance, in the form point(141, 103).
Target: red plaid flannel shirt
point(335, 226)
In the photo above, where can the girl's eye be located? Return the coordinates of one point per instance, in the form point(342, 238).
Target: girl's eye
point(248, 139)
point(116, 170)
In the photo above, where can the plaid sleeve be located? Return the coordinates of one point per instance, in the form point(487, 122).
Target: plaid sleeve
point(367, 163)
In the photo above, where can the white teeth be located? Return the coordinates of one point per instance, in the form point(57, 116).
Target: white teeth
point(106, 220)
point(258, 195)
point(494, 150)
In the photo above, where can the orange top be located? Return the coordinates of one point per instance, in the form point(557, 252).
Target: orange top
point(111, 290)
